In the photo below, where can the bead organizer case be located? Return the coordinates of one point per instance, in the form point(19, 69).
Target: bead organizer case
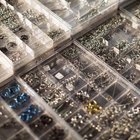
point(132, 12)
point(117, 44)
point(32, 116)
point(17, 51)
point(5, 64)
point(43, 19)
point(86, 89)
point(29, 33)
point(80, 13)
point(81, 94)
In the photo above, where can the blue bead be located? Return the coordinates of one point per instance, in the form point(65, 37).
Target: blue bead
point(13, 105)
point(6, 93)
point(15, 88)
point(26, 117)
point(10, 92)
point(34, 110)
point(23, 98)
point(30, 112)
point(20, 101)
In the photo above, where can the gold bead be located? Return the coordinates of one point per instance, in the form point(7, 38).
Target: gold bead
point(92, 107)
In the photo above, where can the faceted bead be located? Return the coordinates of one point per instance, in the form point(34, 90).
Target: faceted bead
point(23, 98)
point(26, 117)
point(20, 101)
point(11, 91)
point(15, 88)
point(6, 93)
point(13, 105)
point(30, 112)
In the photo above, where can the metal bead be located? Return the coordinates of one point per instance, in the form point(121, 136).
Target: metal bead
point(71, 79)
point(66, 108)
point(131, 77)
point(109, 115)
point(70, 82)
point(71, 52)
point(90, 131)
point(82, 96)
point(92, 107)
point(78, 120)
point(127, 100)
point(101, 82)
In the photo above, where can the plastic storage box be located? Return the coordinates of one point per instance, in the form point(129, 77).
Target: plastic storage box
point(17, 51)
point(84, 90)
point(6, 67)
point(26, 111)
point(116, 42)
point(80, 91)
point(80, 14)
point(131, 10)
point(42, 18)
point(29, 33)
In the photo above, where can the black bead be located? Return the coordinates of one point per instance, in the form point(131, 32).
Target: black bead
point(46, 120)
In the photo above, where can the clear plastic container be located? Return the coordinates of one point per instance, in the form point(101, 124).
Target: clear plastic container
point(131, 11)
point(6, 67)
point(18, 52)
point(122, 1)
point(84, 106)
point(86, 90)
point(29, 33)
point(43, 19)
point(32, 119)
point(84, 97)
point(22, 135)
point(116, 42)
point(79, 14)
